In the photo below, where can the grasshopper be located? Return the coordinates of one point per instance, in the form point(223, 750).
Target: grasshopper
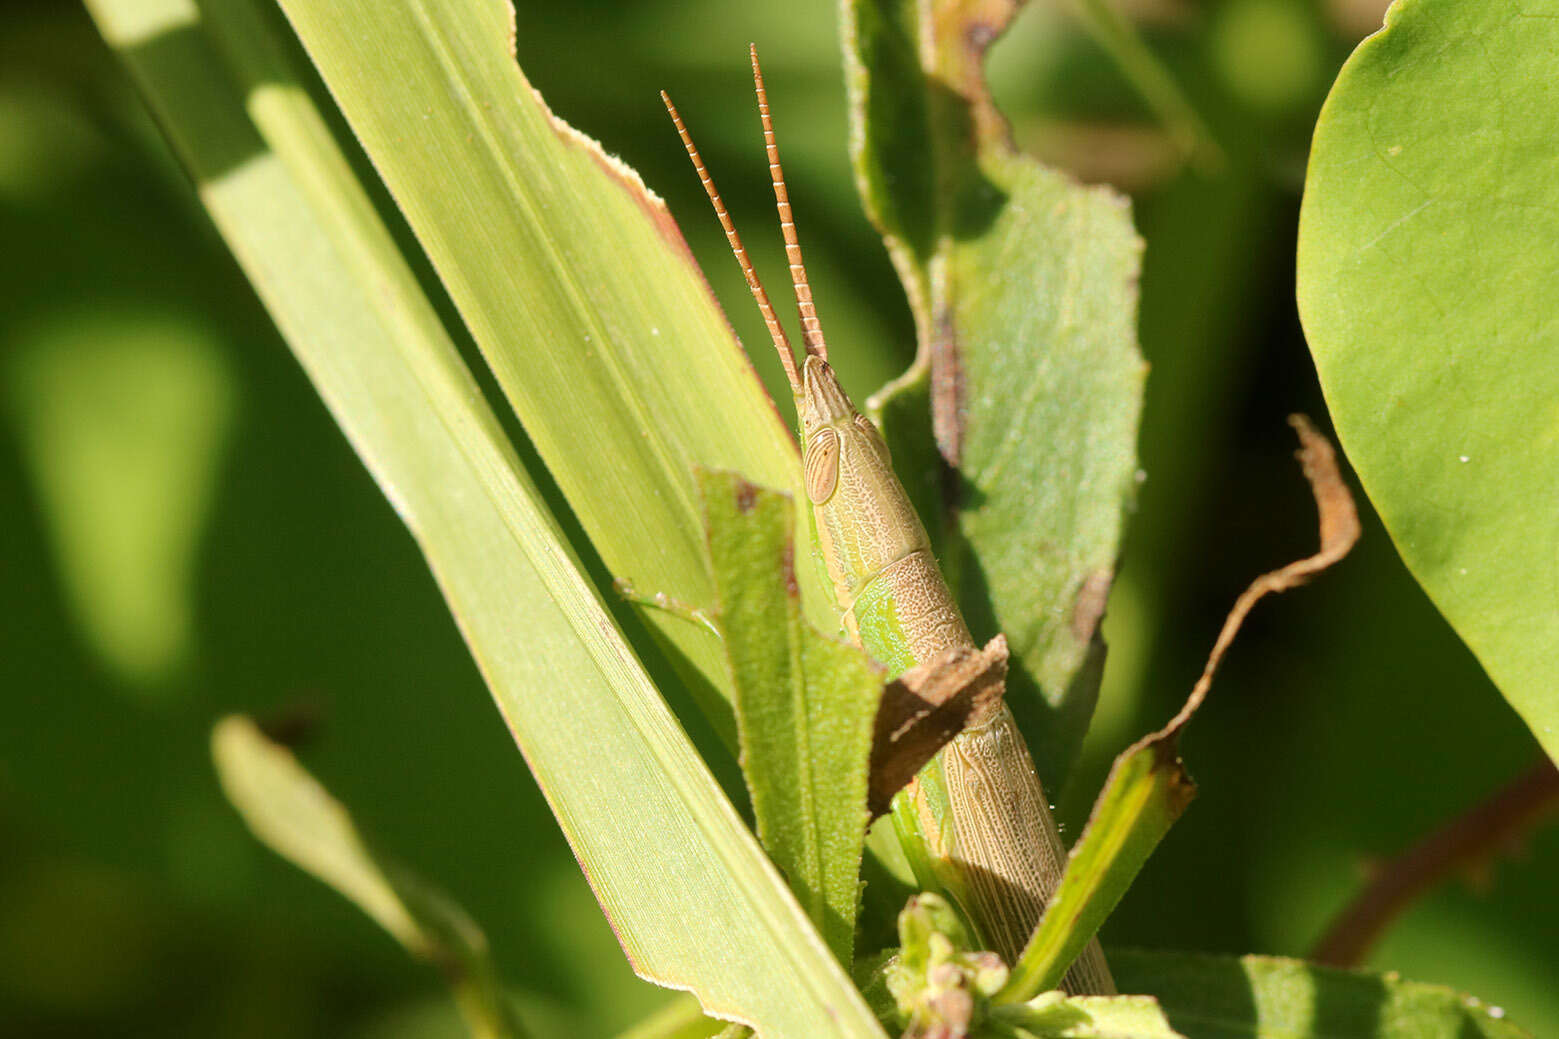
point(975, 823)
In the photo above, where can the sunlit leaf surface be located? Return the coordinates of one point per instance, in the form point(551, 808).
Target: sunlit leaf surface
point(705, 911)
point(576, 285)
point(1428, 256)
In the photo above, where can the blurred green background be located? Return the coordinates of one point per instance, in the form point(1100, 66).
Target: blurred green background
point(183, 533)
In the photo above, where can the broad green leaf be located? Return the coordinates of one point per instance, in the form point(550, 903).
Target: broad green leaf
point(298, 819)
point(690, 894)
point(574, 282)
point(1057, 1016)
point(1264, 997)
point(805, 705)
point(1023, 287)
point(1428, 257)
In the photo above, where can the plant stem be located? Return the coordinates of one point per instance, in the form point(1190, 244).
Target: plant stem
point(1153, 83)
point(1466, 841)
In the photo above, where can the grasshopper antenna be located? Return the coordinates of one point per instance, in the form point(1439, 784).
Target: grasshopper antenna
point(811, 329)
point(782, 346)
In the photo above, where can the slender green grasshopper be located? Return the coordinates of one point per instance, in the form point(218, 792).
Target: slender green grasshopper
point(975, 823)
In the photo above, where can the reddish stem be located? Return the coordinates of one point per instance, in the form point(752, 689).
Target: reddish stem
point(1461, 844)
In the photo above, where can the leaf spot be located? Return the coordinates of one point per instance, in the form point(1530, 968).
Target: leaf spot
point(746, 497)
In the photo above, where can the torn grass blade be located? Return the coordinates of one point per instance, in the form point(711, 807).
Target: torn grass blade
point(576, 286)
point(706, 912)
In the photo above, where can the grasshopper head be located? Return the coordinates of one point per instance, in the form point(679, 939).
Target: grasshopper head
point(822, 401)
point(864, 521)
point(835, 436)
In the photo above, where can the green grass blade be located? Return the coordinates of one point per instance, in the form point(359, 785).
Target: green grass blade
point(1428, 256)
point(1266, 997)
point(575, 284)
point(296, 817)
point(694, 901)
point(1023, 285)
point(1146, 792)
point(1154, 83)
point(805, 706)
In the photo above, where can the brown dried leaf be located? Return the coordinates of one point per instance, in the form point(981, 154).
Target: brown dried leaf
point(925, 708)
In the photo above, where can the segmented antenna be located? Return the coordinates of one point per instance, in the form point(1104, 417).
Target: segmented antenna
point(776, 333)
point(811, 328)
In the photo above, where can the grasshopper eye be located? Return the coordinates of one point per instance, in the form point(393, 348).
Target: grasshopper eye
point(874, 438)
point(821, 466)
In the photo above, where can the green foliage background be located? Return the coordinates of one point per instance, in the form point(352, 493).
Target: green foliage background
point(183, 533)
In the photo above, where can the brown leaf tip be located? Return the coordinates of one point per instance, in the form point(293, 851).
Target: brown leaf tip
point(1339, 517)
